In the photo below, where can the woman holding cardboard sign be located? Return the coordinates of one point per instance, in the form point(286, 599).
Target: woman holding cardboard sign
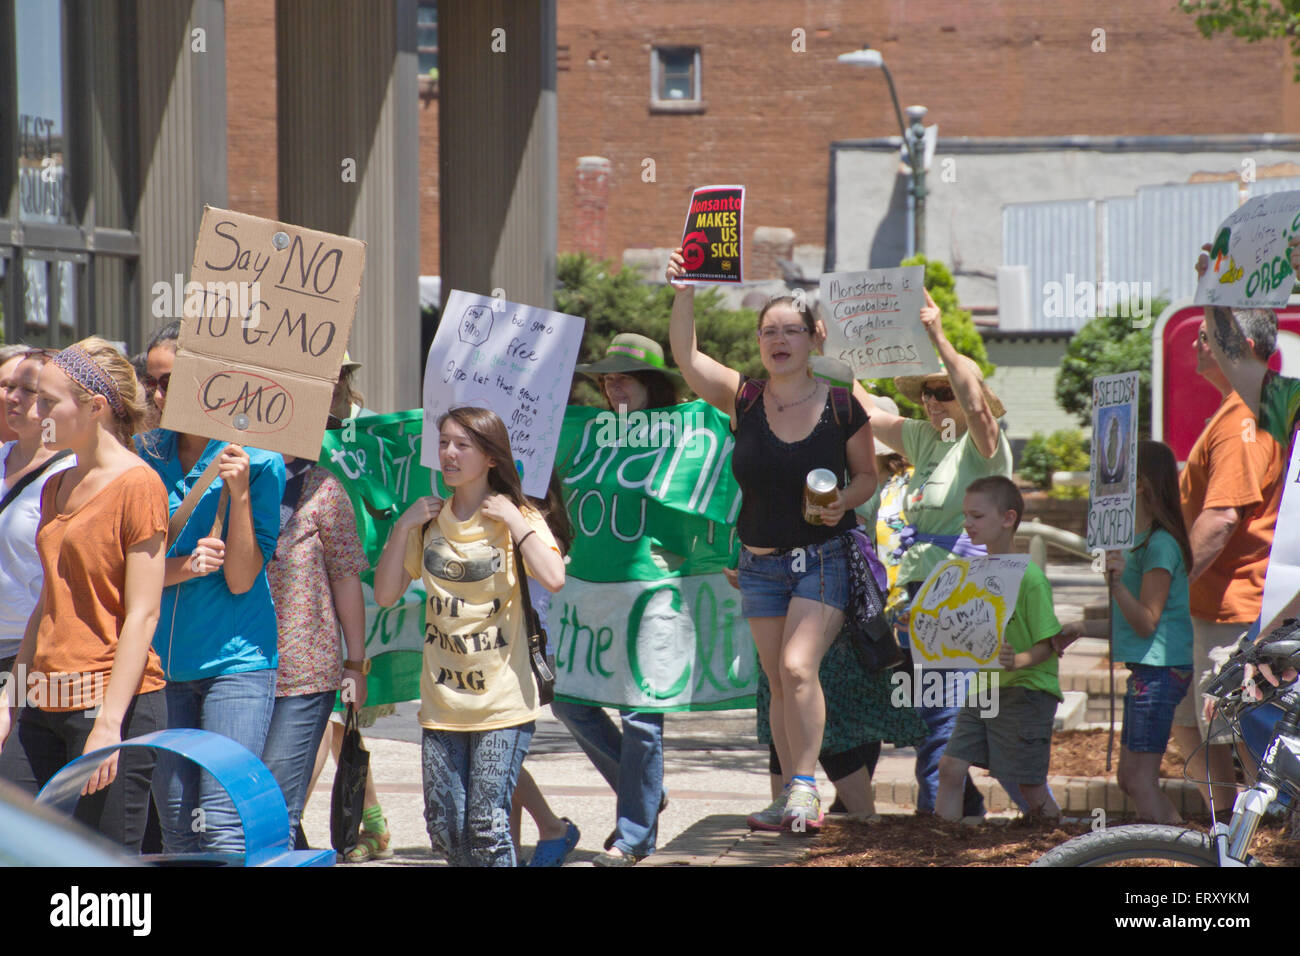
point(217, 634)
point(960, 441)
point(794, 573)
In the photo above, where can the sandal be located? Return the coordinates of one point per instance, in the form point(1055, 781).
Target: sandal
point(553, 852)
point(371, 846)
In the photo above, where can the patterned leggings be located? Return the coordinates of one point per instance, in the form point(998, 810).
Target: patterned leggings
point(469, 779)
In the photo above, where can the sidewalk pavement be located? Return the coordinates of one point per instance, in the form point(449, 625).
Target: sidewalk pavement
point(715, 773)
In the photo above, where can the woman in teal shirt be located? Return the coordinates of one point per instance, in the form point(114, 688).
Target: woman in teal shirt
point(1152, 626)
point(217, 636)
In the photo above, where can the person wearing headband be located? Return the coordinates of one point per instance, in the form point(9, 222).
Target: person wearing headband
point(101, 539)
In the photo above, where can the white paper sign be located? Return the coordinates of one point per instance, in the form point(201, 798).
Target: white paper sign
point(873, 321)
point(1250, 265)
point(1113, 484)
point(514, 359)
point(960, 614)
point(1282, 582)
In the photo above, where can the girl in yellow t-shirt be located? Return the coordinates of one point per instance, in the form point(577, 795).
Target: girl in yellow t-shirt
point(478, 699)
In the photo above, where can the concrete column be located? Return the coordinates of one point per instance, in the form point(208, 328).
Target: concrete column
point(347, 100)
point(497, 135)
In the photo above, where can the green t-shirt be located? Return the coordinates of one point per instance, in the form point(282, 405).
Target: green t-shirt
point(938, 487)
point(1171, 644)
point(1279, 405)
point(1033, 621)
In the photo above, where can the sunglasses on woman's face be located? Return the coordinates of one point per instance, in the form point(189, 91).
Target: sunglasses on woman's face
point(160, 383)
point(941, 394)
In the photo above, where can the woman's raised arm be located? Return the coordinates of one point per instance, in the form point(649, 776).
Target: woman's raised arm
point(711, 380)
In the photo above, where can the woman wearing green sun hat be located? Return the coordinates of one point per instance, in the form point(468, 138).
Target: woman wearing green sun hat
point(633, 377)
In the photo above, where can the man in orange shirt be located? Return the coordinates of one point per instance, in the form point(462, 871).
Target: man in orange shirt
point(1230, 491)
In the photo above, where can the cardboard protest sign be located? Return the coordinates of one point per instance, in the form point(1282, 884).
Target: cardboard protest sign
point(1250, 265)
point(711, 244)
point(268, 312)
point(960, 614)
point(1113, 479)
point(1282, 580)
point(514, 359)
point(873, 322)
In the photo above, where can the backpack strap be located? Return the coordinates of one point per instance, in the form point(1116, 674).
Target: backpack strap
point(841, 404)
point(750, 391)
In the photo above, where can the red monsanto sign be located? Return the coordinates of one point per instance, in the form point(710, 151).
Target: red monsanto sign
point(1182, 401)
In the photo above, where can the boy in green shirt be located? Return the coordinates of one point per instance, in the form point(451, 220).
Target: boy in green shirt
point(1014, 744)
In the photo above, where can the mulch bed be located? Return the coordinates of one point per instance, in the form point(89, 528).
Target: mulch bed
point(913, 840)
point(1082, 753)
point(928, 841)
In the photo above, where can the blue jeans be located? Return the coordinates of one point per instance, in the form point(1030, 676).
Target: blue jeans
point(632, 763)
point(194, 812)
point(469, 780)
point(297, 726)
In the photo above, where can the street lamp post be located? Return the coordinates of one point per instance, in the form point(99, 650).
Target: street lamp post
point(913, 142)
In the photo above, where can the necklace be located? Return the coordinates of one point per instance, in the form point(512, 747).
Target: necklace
point(781, 408)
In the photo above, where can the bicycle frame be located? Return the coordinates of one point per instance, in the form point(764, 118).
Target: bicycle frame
point(1278, 768)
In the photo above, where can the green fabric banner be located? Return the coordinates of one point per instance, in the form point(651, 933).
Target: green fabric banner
point(646, 618)
point(377, 460)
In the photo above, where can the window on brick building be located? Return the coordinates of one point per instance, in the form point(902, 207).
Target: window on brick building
point(426, 38)
point(675, 80)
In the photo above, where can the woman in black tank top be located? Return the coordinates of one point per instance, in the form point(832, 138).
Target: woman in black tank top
point(793, 574)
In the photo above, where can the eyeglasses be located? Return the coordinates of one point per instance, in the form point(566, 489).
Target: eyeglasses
point(160, 383)
point(790, 331)
point(941, 394)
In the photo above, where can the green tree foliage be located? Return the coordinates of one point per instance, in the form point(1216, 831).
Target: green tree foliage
point(1252, 20)
point(1105, 346)
point(1064, 450)
point(619, 301)
point(957, 326)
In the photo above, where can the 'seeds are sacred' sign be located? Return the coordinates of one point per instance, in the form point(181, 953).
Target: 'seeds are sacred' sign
point(269, 308)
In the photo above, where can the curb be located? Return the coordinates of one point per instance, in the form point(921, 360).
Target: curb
point(1074, 795)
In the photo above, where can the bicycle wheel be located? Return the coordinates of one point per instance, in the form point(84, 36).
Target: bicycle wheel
point(1136, 842)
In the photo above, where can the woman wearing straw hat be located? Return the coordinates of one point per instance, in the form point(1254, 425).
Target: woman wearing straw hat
point(633, 377)
point(794, 574)
point(961, 441)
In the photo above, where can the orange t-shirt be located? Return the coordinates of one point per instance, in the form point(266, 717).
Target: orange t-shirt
point(83, 554)
point(1234, 464)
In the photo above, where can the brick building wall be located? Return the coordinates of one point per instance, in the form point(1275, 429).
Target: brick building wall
point(983, 67)
point(251, 146)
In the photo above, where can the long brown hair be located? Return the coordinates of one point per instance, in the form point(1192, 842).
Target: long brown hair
point(557, 516)
point(1157, 467)
point(488, 431)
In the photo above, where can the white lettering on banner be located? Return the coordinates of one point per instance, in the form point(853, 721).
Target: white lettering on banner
point(652, 644)
point(658, 479)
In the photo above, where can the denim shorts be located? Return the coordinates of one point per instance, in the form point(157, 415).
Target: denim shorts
point(1150, 700)
point(818, 572)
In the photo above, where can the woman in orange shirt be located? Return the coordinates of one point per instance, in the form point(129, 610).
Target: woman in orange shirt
point(88, 675)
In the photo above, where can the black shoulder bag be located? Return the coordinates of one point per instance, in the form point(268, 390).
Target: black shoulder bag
point(31, 476)
point(536, 637)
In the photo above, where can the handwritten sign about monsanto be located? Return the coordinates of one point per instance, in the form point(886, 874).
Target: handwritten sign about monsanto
point(268, 312)
point(873, 321)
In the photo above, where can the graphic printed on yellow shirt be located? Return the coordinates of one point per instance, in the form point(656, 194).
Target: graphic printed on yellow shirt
point(476, 673)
